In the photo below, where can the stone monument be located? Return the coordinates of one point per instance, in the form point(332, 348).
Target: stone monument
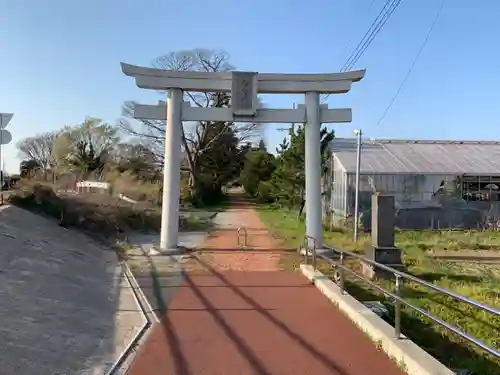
point(383, 249)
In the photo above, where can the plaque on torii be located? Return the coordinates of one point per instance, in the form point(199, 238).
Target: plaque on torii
point(244, 100)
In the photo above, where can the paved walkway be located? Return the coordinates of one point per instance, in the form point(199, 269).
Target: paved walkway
point(236, 313)
point(65, 305)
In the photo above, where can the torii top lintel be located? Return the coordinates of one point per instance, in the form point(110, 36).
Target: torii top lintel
point(270, 83)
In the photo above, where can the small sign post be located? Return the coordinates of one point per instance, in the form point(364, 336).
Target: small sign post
point(5, 119)
point(5, 138)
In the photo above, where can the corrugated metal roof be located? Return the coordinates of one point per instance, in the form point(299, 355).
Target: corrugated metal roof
point(419, 157)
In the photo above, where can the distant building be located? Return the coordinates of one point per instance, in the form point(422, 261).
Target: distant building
point(415, 172)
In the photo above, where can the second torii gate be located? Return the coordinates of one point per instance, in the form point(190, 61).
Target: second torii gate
point(244, 88)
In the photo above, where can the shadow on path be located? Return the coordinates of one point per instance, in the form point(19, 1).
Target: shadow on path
point(180, 361)
point(327, 362)
point(252, 250)
point(240, 344)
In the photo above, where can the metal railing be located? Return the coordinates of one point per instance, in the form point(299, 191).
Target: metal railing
point(396, 295)
point(306, 245)
point(245, 237)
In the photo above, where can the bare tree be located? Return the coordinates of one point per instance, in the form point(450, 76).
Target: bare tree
point(40, 149)
point(137, 159)
point(197, 138)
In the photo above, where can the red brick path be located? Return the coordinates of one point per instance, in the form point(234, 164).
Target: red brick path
point(255, 323)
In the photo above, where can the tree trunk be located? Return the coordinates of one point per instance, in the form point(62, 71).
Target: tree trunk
point(195, 185)
point(302, 203)
point(301, 209)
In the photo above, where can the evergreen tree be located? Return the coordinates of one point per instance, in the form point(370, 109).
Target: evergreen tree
point(259, 166)
point(288, 180)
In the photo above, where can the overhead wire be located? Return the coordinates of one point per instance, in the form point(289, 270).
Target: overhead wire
point(375, 27)
point(410, 70)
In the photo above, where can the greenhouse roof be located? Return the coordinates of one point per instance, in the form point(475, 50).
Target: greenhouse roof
point(419, 157)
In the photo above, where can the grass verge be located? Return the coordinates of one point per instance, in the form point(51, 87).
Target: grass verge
point(444, 345)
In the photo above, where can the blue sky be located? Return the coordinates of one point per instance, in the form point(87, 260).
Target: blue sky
point(60, 59)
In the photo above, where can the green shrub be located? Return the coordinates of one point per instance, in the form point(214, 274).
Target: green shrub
point(264, 192)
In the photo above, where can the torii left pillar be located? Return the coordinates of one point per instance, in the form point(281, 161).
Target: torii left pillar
point(169, 236)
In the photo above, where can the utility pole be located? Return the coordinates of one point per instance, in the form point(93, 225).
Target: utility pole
point(356, 199)
point(287, 129)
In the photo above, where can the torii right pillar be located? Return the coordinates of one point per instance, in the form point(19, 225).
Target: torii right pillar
point(314, 219)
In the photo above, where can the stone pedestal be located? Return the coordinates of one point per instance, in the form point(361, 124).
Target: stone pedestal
point(382, 250)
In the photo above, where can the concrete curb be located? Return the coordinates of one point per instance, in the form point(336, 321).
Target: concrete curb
point(212, 216)
point(125, 360)
point(180, 250)
point(135, 285)
point(412, 358)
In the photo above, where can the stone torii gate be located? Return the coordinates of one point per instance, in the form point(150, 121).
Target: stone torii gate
point(244, 88)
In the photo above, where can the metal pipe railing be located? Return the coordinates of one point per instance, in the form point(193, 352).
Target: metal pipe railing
point(245, 237)
point(309, 246)
point(399, 301)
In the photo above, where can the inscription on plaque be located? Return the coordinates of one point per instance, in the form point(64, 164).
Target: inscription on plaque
point(244, 93)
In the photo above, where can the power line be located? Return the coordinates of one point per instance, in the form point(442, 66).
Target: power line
point(374, 22)
point(375, 27)
point(379, 22)
point(403, 82)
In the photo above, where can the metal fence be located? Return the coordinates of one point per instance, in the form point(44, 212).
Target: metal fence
point(338, 263)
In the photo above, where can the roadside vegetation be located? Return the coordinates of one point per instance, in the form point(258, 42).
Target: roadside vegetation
point(104, 217)
point(480, 282)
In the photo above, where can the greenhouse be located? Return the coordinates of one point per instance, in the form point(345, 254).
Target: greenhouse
point(413, 171)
